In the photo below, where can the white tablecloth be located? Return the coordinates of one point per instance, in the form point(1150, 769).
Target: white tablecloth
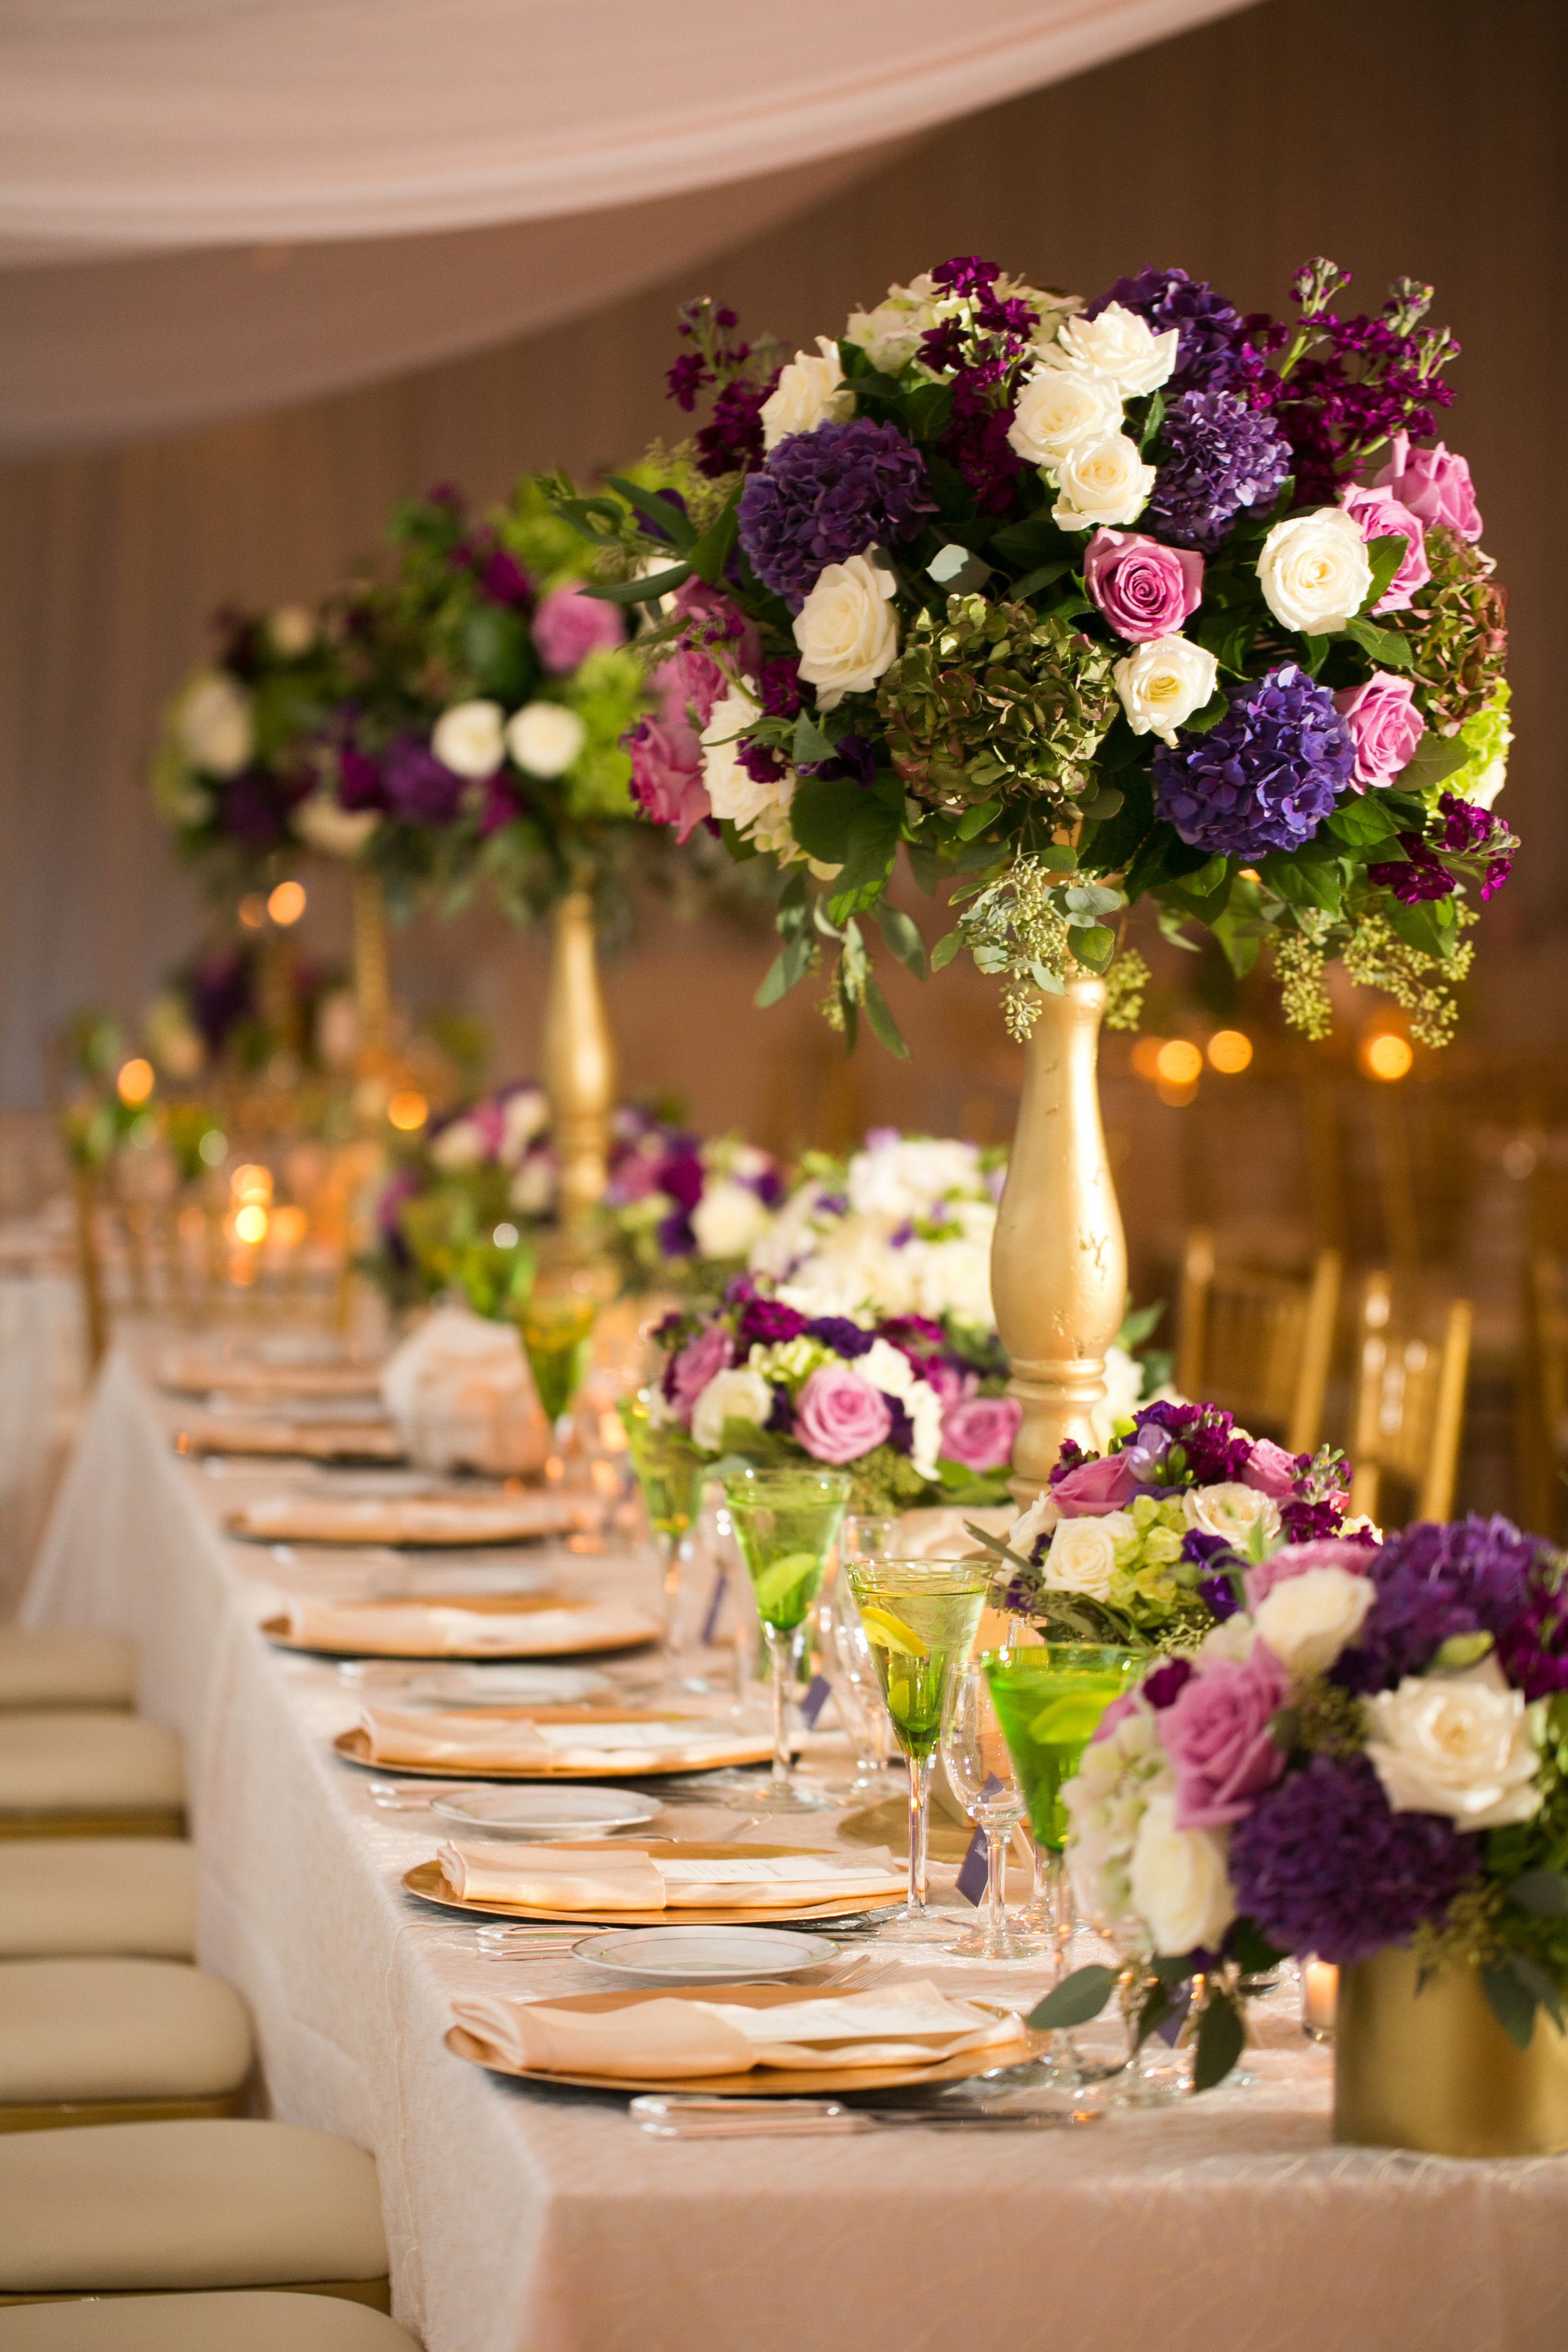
point(529, 2220)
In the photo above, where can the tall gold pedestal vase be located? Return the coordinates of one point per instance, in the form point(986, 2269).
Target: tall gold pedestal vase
point(373, 975)
point(580, 1076)
point(1058, 1261)
point(1434, 2070)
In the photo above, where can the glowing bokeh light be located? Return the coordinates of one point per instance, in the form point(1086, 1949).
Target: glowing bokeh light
point(287, 904)
point(407, 1110)
point(1230, 1050)
point(136, 1081)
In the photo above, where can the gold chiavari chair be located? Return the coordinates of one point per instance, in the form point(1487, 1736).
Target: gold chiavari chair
point(1409, 1407)
point(1259, 1343)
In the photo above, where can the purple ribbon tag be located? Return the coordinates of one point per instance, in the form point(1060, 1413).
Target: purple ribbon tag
point(715, 1605)
point(972, 1875)
point(818, 1691)
point(1182, 2001)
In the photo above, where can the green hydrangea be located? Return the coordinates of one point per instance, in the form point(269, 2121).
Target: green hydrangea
point(1488, 736)
point(1147, 1585)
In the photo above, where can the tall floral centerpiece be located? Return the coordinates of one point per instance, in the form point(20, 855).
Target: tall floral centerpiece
point(1084, 603)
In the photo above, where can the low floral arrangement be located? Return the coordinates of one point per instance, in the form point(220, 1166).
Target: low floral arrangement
point(1083, 603)
point(463, 1210)
point(1148, 1543)
point(890, 1399)
point(1371, 1749)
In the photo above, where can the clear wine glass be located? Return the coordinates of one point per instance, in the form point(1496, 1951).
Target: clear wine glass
point(985, 1778)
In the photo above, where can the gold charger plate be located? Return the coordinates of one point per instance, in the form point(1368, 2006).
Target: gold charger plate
point(198, 1376)
point(758, 2081)
point(413, 1523)
point(475, 1604)
point(284, 1440)
point(354, 1747)
point(424, 1880)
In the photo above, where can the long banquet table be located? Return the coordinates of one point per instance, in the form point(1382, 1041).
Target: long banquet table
point(523, 2219)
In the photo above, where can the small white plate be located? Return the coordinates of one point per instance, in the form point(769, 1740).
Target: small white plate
point(528, 1812)
point(686, 1956)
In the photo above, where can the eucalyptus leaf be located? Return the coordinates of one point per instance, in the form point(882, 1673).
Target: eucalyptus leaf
point(1513, 2004)
point(1542, 1892)
point(1222, 2038)
point(1075, 2000)
point(638, 592)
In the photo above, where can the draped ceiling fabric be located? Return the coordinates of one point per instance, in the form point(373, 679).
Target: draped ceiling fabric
point(209, 206)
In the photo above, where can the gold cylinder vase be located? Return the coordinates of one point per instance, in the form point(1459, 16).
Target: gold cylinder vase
point(1434, 2070)
point(1058, 1261)
point(579, 1060)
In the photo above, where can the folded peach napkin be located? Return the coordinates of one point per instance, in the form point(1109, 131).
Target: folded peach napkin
point(418, 1518)
point(437, 1626)
point(543, 1878)
point(471, 1742)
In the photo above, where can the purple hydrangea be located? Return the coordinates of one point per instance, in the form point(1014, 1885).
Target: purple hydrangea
point(1323, 1865)
point(837, 1332)
point(1214, 350)
point(418, 788)
point(1266, 777)
point(826, 496)
point(1438, 1579)
point(1218, 458)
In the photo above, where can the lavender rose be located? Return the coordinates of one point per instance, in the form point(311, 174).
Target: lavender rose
point(1270, 1470)
point(1386, 727)
point(1096, 1488)
point(978, 1432)
point(700, 1360)
point(666, 775)
point(839, 1416)
point(1434, 484)
point(570, 626)
point(1144, 590)
point(1216, 1733)
point(1379, 515)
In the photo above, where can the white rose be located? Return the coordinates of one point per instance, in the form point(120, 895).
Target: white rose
point(1307, 1619)
point(533, 1188)
point(1083, 1555)
point(1314, 571)
point(524, 1114)
point(544, 738)
point(1231, 1510)
point(1455, 1744)
point(1059, 409)
point(1162, 683)
point(215, 725)
point(335, 831)
point(1122, 346)
point(846, 629)
point(952, 1278)
point(887, 1369)
point(468, 738)
point(1181, 1881)
point(1043, 1514)
point(728, 1219)
point(908, 1175)
point(292, 629)
point(734, 794)
point(458, 1147)
point(735, 1395)
point(924, 1408)
point(806, 395)
point(1104, 481)
point(890, 334)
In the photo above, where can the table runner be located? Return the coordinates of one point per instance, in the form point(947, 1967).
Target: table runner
point(523, 2219)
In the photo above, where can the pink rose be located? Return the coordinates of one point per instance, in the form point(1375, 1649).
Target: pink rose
point(1216, 1733)
point(979, 1431)
point(1385, 724)
point(1270, 1470)
point(839, 1416)
point(695, 677)
point(699, 1361)
point(1434, 484)
point(951, 1385)
point(1379, 515)
point(1143, 589)
point(569, 625)
point(666, 775)
point(1295, 1560)
point(1096, 1487)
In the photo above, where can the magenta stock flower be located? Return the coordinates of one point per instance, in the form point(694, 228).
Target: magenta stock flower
point(569, 625)
point(1434, 484)
point(978, 1432)
point(1386, 727)
point(839, 1416)
point(1144, 590)
point(1380, 515)
point(1216, 1733)
point(666, 775)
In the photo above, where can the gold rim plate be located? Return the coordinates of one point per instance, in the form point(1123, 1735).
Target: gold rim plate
point(354, 1748)
point(424, 1880)
point(488, 1654)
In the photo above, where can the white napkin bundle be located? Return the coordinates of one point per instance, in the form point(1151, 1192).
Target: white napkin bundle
point(471, 1742)
point(439, 1626)
point(906, 2025)
point(461, 1394)
point(625, 1878)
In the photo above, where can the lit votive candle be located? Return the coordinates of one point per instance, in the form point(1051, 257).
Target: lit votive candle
point(1319, 1999)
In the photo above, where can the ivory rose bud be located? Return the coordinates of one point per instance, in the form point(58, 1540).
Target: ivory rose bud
point(1143, 589)
point(807, 394)
point(736, 1395)
point(1386, 727)
point(569, 625)
point(728, 1219)
point(1434, 484)
point(846, 629)
point(1083, 1555)
point(979, 1431)
point(216, 724)
point(1057, 410)
point(1455, 1744)
point(1163, 683)
point(292, 629)
point(1232, 1510)
point(1314, 571)
point(1379, 515)
point(1307, 1619)
point(1180, 1881)
point(468, 738)
point(1103, 481)
point(839, 1416)
point(544, 738)
point(326, 826)
point(1122, 346)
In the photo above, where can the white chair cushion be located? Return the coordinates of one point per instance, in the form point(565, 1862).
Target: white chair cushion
point(54, 1668)
point(64, 1895)
point(162, 2206)
point(74, 1761)
point(202, 2323)
point(118, 2028)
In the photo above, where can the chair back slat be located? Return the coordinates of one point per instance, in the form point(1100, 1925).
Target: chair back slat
point(1259, 1343)
point(1409, 1410)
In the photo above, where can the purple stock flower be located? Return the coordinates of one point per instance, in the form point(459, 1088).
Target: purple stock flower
point(1323, 1865)
point(781, 1418)
point(1266, 777)
point(360, 782)
point(1214, 350)
point(419, 789)
point(1218, 458)
point(731, 440)
point(768, 1323)
point(837, 1332)
point(823, 497)
point(778, 687)
point(503, 579)
point(1436, 1579)
point(1416, 876)
point(1212, 1452)
point(1165, 1684)
point(249, 810)
point(1301, 1522)
point(1470, 831)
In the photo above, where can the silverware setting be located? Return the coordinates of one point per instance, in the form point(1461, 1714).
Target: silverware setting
point(691, 2116)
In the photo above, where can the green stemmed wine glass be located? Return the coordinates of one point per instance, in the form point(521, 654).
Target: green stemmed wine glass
point(671, 1483)
point(786, 1523)
point(919, 1617)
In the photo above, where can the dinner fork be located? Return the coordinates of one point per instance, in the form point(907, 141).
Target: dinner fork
point(692, 2116)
